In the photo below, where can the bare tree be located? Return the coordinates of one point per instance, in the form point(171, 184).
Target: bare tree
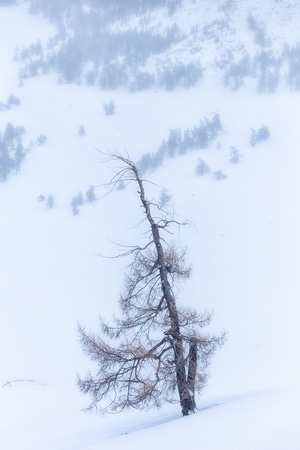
point(156, 351)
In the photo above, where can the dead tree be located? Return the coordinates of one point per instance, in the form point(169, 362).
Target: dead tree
point(156, 351)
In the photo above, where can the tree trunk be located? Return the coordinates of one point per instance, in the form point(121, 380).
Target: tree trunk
point(186, 400)
point(192, 371)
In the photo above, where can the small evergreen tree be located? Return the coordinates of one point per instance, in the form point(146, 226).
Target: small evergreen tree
point(109, 108)
point(41, 139)
point(202, 168)
point(219, 175)
point(41, 198)
point(259, 135)
point(76, 202)
point(50, 201)
point(90, 194)
point(235, 156)
point(12, 101)
point(81, 131)
point(165, 197)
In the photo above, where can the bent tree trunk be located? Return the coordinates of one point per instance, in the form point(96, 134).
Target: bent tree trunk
point(185, 385)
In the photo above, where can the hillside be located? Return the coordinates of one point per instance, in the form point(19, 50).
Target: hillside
point(168, 44)
point(208, 107)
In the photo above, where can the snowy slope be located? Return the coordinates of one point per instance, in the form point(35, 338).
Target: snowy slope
point(218, 34)
point(243, 245)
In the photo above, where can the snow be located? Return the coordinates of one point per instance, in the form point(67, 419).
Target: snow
point(243, 243)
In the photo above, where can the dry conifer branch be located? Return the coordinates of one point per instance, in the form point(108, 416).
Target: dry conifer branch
point(156, 351)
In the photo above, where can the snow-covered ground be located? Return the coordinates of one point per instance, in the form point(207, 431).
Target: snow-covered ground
point(243, 244)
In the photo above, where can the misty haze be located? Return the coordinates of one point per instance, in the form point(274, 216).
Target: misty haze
point(149, 232)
